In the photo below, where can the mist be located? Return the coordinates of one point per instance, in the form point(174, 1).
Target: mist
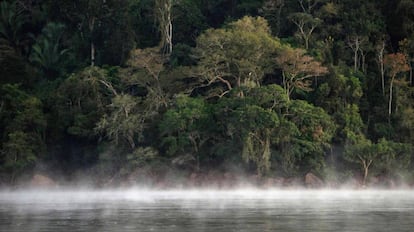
point(139, 209)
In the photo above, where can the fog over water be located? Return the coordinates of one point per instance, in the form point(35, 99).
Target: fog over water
point(207, 210)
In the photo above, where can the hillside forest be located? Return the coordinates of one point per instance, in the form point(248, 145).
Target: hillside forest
point(103, 89)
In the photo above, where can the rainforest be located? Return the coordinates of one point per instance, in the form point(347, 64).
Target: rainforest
point(172, 93)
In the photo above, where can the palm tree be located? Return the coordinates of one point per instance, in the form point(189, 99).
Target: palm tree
point(47, 52)
point(12, 20)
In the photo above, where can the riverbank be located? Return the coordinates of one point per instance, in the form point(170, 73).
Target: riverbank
point(202, 180)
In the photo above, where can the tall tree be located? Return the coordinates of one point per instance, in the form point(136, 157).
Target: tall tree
point(272, 12)
point(152, 62)
point(237, 55)
point(47, 52)
point(86, 18)
point(356, 44)
point(395, 63)
point(163, 10)
point(298, 69)
point(363, 153)
point(306, 25)
point(380, 49)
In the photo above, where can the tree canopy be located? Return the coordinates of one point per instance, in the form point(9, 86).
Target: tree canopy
point(271, 88)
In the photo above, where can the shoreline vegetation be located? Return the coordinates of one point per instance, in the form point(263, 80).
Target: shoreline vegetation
point(196, 93)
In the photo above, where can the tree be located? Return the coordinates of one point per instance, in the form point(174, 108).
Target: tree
point(189, 22)
point(340, 95)
point(152, 63)
point(395, 157)
point(362, 152)
point(297, 69)
point(19, 152)
point(235, 56)
point(395, 63)
point(306, 25)
point(272, 12)
point(407, 123)
point(23, 126)
point(252, 121)
point(380, 49)
point(386, 156)
point(12, 22)
point(404, 10)
point(13, 67)
point(310, 135)
point(80, 100)
point(309, 6)
point(86, 18)
point(407, 48)
point(185, 127)
point(47, 52)
point(257, 125)
point(123, 122)
point(163, 10)
point(356, 43)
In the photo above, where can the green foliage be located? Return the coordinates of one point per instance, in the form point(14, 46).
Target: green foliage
point(339, 95)
point(12, 22)
point(19, 152)
point(252, 125)
point(47, 52)
point(387, 157)
point(123, 123)
point(308, 134)
point(185, 127)
point(23, 126)
point(363, 152)
point(258, 126)
point(189, 22)
point(81, 99)
point(306, 25)
point(229, 94)
point(140, 156)
point(395, 157)
point(238, 55)
point(353, 125)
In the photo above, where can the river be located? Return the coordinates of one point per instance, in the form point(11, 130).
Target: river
point(204, 210)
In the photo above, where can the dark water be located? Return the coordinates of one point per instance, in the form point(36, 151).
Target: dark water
point(213, 211)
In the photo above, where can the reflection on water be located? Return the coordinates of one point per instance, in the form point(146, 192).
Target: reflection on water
point(248, 210)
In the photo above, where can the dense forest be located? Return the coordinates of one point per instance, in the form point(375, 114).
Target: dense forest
point(273, 88)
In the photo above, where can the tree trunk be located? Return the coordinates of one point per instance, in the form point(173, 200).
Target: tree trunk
point(279, 18)
point(380, 60)
point(286, 86)
point(164, 8)
point(363, 64)
point(92, 54)
point(383, 78)
point(355, 60)
point(91, 29)
point(411, 73)
point(306, 42)
point(195, 147)
point(364, 181)
point(390, 99)
point(355, 45)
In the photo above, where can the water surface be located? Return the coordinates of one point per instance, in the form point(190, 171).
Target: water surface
point(210, 211)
